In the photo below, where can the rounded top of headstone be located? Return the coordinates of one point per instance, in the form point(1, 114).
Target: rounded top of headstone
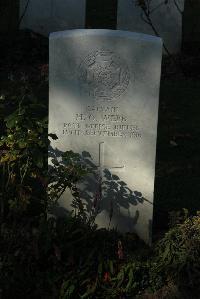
point(106, 33)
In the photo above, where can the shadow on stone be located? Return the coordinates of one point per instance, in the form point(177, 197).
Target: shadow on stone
point(102, 192)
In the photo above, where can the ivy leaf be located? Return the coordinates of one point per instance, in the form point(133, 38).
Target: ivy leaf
point(22, 144)
point(11, 122)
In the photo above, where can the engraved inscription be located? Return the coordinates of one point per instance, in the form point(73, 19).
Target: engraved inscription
point(96, 121)
point(103, 75)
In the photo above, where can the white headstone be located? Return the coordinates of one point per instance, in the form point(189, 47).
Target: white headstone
point(165, 16)
point(104, 92)
point(45, 16)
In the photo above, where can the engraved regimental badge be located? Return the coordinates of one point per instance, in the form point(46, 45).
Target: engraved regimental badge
point(103, 75)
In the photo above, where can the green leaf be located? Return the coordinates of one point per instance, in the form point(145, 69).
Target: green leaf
point(111, 267)
point(11, 123)
point(39, 161)
point(69, 292)
point(120, 278)
point(90, 291)
point(100, 268)
point(130, 279)
point(22, 144)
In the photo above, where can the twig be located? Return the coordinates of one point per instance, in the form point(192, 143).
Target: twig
point(156, 7)
point(146, 17)
point(23, 13)
point(3, 192)
point(149, 21)
point(22, 175)
point(178, 8)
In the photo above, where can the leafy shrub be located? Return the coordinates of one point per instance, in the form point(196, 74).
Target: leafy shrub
point(66, 174)
point(178, 254)
point(23, 145)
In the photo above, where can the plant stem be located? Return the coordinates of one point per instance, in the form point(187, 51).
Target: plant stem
point(23, 13)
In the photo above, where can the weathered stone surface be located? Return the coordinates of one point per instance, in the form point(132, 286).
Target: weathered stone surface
point(165, 15)
point(104, 91)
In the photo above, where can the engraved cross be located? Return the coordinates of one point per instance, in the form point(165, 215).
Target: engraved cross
point(101, 165)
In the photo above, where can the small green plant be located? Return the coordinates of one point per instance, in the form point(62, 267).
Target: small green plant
point(65, 174)
point(178, 253)
point(23, 144)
